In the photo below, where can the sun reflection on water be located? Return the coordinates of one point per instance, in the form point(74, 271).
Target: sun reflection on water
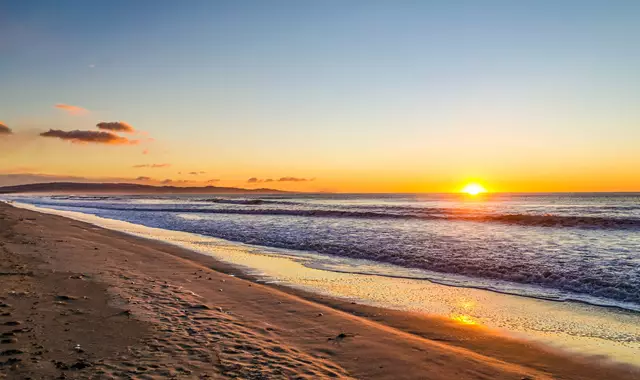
point(464, 319)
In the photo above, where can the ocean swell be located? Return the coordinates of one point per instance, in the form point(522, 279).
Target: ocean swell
point(423, 213)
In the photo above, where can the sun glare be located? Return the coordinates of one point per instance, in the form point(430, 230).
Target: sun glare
point(474, 189)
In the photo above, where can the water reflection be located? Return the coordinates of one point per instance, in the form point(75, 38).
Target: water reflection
point(464, 319)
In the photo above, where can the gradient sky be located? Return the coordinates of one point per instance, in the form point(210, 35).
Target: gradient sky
point(364, 96)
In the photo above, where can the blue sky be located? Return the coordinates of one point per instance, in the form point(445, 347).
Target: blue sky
point(420, 94)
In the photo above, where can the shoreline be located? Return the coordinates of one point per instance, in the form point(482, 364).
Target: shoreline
point(385, 343)
point(530, 290)
point(629, 309)
point(582, 329)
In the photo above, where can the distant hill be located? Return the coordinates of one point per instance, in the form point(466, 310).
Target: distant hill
point(126, 188)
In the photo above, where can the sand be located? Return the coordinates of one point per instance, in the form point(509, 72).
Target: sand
point(78, 301)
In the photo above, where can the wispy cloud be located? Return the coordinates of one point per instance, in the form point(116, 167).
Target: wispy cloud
point(213, 180)
point(283, 179)
point(152, 166)
point(174, 181)
point(145, 152)
point(294, 179)
point(4, 130)
point(197, 173)
point(116, 126)
point(72, 110)
point(94, 137)
point(143, 178)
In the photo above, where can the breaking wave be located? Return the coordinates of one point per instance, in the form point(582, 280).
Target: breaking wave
point(534, 220)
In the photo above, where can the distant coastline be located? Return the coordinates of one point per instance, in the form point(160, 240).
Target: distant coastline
point(127, 188)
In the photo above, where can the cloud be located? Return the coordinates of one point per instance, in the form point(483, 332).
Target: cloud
point(152, 166)
point(95, 137)
point(116, 126)
point(4, 130)
point(72, 110)
point(294, 179)
point(283, 179)
point(175, 181)
point(143, 178)
point(146, 151)
point(213, 180)
point(197, 173)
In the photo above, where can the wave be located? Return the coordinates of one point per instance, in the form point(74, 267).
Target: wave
point(84, 197)
point(577, 275)
point(561, 221)
point(251, 202)
point(535, 291)
point(534, 220)
point(244, 201)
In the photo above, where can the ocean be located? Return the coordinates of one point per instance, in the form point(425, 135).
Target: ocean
point(581, 247)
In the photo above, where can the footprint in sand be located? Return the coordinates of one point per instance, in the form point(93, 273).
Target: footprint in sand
point(11, 352)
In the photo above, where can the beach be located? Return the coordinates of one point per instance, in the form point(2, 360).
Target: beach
point(80, 301)
point(319, 190)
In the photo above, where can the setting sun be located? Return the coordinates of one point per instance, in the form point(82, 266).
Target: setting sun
point(474, 189)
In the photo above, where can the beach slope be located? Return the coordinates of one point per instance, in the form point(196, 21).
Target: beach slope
point(78, 301)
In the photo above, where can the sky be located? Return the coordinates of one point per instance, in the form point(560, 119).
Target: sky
point(346, 96)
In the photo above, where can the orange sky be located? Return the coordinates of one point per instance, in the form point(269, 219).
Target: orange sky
point(423, 97)
point(406, 172)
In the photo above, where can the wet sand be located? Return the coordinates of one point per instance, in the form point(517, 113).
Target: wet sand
point(80, 301)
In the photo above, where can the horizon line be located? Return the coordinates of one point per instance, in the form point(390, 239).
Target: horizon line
point(330, 192)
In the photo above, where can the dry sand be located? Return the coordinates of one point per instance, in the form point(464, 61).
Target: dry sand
point(78, 301)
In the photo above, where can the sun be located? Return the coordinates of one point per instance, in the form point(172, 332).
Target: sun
point(473, 189)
